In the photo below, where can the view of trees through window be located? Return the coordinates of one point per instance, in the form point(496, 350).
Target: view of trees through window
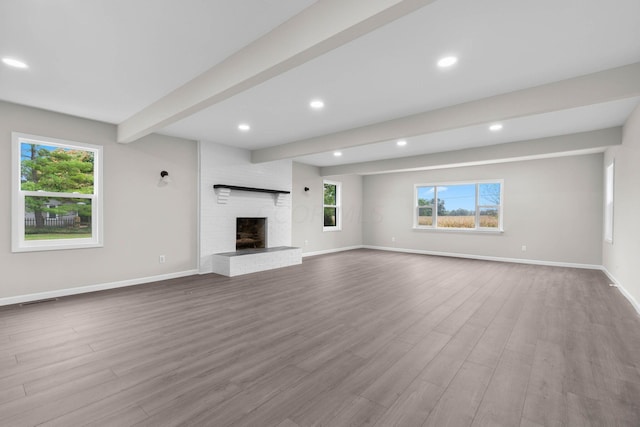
point(55, 182)
point(465, 206)
point(331, 204)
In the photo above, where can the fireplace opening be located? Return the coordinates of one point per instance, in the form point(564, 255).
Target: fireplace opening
point(251, 233)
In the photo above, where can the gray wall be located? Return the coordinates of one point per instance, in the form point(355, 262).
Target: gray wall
point(620, 258)
point(553, 206)
point(141, 219)
point(307, 218)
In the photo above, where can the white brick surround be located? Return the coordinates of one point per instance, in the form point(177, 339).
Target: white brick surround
point(220, 164)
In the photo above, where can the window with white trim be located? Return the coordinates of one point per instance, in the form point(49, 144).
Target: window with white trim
point(56, 194)
point(459, 206)
point(608, 208)
point(332, 211)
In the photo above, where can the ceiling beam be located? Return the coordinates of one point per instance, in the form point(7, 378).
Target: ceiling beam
point(322, 27)
point(610, 85)
point(554, 146)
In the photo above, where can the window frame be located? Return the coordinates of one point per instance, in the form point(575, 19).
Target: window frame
point(478, 207)
point(18, 241)
point(337, 206)
point(609, 202)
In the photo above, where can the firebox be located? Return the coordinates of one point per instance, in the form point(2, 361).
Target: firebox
point(251, 233)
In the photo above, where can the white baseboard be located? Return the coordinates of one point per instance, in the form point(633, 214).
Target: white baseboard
point(622, 289)
point(488, 258)
point(330, 251)
point(19, 299)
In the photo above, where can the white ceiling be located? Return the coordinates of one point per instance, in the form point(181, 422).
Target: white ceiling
point(574, 120)
point(110, 59)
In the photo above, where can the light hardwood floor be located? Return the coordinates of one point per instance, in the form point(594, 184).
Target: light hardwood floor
point(355, 338)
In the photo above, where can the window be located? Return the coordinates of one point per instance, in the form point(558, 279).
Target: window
point(332, 211)
point(56, 197)
point(51, 213)
point(459, 206)
point(608, 208)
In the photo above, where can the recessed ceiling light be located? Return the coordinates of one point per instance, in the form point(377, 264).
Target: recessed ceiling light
point(244, 127)
point(401, 143)
point(447, 61)
point(12, 62)
point(317, 104)
point(337, 153)
point(495, 127)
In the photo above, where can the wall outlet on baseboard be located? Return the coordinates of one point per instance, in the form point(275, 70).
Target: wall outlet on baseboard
point(524, 248)
point(162, 259)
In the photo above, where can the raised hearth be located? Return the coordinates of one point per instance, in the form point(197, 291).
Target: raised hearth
point(253, 260)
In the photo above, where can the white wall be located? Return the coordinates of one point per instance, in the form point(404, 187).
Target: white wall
point(620, 258)
point(220, 164)
point(553, 206)
point(141, 219)
point(308, 211)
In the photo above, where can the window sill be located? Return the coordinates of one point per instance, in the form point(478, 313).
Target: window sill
point(331, 229)
point(55, 247)
point(458, 230)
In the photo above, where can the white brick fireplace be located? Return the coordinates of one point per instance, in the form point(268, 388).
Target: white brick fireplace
point(218, 210)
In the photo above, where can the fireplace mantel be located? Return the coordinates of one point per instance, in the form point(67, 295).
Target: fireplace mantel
point(255, 190)
point(224, 191)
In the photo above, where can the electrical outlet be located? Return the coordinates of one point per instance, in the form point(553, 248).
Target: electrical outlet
point(306, 243)
point(524, 248)
point(162, 259)
point(393, 239)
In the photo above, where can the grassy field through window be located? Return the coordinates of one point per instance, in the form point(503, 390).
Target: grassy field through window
point(56, 236)
point(486, 221)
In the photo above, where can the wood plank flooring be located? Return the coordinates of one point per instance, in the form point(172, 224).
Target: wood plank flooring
point(350, 339)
